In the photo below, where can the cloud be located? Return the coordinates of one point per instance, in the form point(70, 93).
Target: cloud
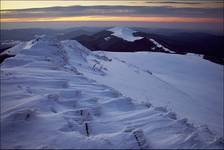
point(113, 11)
point(187, 2)
point(175, 2)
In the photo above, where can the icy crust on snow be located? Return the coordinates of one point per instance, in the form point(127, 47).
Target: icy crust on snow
point(124, 33)
point(47, 103)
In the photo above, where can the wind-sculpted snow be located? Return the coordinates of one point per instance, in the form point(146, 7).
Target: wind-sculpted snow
point(187, 84)
point(48, 102)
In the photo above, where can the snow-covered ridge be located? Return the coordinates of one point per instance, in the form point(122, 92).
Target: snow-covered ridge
point(29, 44)
point(21, 46)
point(49, 98)
point(125, 33)
point(158, 45)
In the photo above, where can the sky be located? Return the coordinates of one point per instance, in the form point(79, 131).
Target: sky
point(177, 14)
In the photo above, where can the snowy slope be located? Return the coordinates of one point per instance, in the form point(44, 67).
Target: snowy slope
point(188, 85)
point(20, 46)
point(124, 33)
point(50, 100)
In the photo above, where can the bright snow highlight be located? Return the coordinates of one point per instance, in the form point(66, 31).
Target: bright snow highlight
point(124, 33)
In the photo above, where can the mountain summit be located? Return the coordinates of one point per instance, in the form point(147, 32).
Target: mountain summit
point(125, 33)
point(121, 39)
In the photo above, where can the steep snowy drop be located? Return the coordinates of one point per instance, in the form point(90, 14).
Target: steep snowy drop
point(50, 100)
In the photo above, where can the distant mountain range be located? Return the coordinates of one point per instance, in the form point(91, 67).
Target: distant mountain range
point(121, 40)
point(209, 45)
point(101, 38)
point(29, 34)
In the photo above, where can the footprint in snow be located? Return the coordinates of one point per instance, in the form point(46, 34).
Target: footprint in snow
point(161, 109)
point(23, 115)
point(172, 115)
point(140, 139)
point(54, 97)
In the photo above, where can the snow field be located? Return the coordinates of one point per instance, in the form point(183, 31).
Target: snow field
point(48, 101)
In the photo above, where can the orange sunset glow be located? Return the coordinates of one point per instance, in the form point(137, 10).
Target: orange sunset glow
point(113, 18)
point(207, 13)
point(6, 4)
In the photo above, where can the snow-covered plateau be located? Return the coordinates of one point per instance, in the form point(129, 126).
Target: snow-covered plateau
point(59, 94)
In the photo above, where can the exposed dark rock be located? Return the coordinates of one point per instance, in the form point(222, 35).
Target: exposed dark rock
point(5, 56)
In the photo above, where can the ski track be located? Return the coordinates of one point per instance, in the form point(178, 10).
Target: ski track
point(47, 103)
